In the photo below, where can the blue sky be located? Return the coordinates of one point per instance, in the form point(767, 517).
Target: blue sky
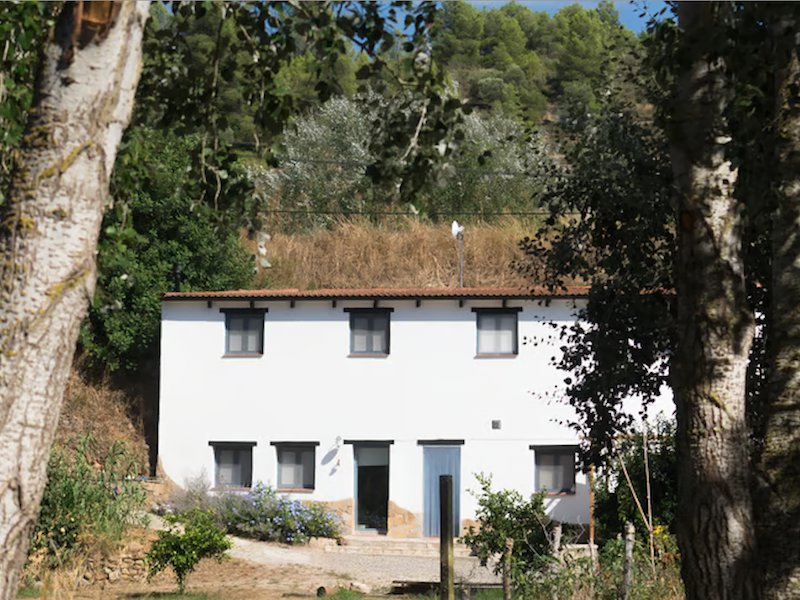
point(628, 11)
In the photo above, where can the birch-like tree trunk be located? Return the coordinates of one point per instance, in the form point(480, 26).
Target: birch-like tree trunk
point(48, 239)
point(715, 327)
point(778, 499)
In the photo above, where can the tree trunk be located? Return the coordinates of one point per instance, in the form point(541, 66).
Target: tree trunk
point(715, 326)
point(778, 493)
point(48, 239)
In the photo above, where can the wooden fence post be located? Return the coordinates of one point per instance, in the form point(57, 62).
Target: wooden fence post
point(446, 578)
point(507, 568)
point(627, 574)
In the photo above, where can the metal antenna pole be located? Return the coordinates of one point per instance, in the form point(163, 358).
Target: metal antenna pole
point(461, 260)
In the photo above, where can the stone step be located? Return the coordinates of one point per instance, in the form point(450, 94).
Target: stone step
point(393, 547)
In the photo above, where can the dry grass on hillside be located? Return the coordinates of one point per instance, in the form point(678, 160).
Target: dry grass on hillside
point(406, 253)
point(101, 411)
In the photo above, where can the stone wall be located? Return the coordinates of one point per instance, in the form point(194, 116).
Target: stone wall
point(403, 523)
point(125, 564)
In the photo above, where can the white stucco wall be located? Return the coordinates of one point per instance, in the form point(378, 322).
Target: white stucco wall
point(306, 388)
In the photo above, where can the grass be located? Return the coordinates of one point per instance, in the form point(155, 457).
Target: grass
point(28, 592)
point(406, 253)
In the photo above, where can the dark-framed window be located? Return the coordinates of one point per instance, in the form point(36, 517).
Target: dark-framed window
point(554, 471)
point(244, 331)
point(233, 464)
point(496, 331)
point(369, 331)
point(296, 465)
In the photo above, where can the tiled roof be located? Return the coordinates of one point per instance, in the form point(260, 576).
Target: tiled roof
point(382, 293)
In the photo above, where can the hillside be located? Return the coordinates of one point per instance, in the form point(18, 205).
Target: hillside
point(305, 175)
point(406, 253)
point(107, 413)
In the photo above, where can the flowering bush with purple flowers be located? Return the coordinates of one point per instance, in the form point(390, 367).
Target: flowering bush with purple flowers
point(264, 515)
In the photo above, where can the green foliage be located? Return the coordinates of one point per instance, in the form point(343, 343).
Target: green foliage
point(191, 537)
point(158, 222)
point(536, 574)
point(311, 177)
point(578, 577)
point(506, 514)
point(658, 579)
point(614, 503)
point(498, 166)
point(515, 60)
point(495, 165)
point(612, 224)
point(23, 27)
point(192, 76)
point(88, 499)
point(264, 515)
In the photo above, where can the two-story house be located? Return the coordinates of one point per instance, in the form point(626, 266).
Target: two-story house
point(361, 398)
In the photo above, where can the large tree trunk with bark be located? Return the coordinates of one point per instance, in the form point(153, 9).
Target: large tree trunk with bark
point(715, 326)
point(778, 492)
point(48, 239)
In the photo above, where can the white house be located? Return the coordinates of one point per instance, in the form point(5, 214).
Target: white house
point(361, 397)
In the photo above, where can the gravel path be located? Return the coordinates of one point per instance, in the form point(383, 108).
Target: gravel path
point(374, 570)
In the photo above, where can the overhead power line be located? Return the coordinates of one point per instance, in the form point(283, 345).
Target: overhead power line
point(407, 213)
point(364, 164)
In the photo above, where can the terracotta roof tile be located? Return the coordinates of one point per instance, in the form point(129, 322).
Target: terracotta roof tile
point(383, 293)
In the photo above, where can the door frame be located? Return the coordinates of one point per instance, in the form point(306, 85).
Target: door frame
point(455, 445)
point(370, 444)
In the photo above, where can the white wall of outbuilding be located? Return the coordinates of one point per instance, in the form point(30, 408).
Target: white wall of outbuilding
point(306, 387)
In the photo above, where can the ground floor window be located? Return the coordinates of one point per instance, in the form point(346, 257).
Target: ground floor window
point(233, 464)
point(296, 465)
point(554, 469)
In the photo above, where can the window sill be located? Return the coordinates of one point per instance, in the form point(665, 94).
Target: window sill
point(243, 355)
point(294, 490)
point(496, 355)
point(558, 494)
point(368, 355)
point(231, 488)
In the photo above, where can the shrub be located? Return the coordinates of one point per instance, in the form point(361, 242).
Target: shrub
point(86, 501)
point(579, 577)
point(660, 579)
point(155, 224)
point(614, 503)
point(182, 550)
point(263, 515)
point(506, 514)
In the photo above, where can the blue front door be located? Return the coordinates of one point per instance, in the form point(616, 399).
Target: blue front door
point(440, 460)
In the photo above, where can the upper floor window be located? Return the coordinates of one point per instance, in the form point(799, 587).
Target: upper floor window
point(244, 331)
point(233, 464)
point(296, 465)
point(369, 331)
point(555, 469)
point(497, 331)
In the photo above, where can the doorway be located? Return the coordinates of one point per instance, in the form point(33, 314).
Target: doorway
point(372, 487)
point(440, 460)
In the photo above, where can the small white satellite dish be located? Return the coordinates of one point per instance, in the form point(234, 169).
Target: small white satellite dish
point(458, 233)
